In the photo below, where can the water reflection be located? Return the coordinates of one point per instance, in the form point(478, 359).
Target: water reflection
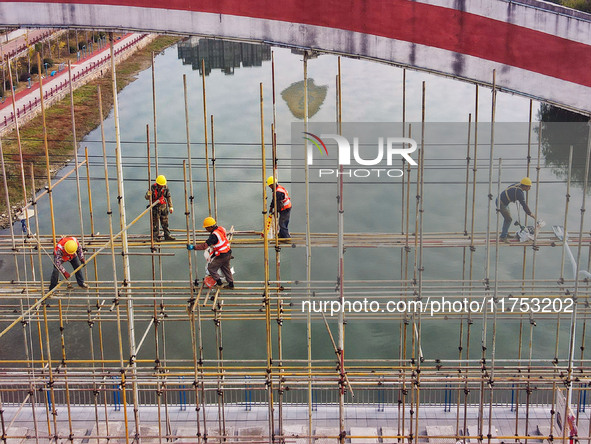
point(294, 97)
point(562, 129)
point(222, 55)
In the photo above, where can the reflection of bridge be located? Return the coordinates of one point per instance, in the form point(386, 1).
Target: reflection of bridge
point(537, 49)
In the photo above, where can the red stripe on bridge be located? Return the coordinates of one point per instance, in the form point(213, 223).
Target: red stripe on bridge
point(409, 21)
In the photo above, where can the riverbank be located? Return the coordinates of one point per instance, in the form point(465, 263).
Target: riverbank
point(59, 128)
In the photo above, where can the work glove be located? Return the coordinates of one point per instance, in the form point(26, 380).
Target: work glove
point(67, 275)
point(83, 261)
point(162, 201)
point(171, 210)
point(190, 247)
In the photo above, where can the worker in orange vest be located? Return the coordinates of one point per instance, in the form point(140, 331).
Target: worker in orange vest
point(68, 249)
point(280, 196)
point(160, 193)
point(222, 253)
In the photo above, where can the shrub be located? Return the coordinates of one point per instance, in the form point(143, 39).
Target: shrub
point(581, 5)
point(23, 77)
point(48, 61)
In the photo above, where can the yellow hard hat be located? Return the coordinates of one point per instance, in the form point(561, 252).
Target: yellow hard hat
point(526, 181)
point(161, 180)
point(209, 222)
point(71, 246)
point(270, 180)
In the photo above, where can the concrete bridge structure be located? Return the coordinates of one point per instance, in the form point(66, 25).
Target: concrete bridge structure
point(538, 49)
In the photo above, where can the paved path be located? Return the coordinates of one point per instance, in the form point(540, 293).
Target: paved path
point(18, 45)
point(55, 87)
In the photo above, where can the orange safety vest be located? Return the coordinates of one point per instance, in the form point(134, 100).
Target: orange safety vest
point(222, 245)
point(286, 200)
point(61, 245)
point(157, 195)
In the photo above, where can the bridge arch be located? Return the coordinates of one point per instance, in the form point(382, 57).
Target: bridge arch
point(537, 49)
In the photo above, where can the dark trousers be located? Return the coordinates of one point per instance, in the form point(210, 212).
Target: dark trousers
point(283, 223)
point(221, 262)
point(56, 274)
point(160, 216)
point(506, 213)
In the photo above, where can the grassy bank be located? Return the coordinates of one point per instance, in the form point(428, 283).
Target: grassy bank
point(59, 126)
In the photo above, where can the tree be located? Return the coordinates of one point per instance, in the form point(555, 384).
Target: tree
point(562, 129)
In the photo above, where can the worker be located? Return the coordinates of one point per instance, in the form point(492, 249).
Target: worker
point(160, 193)
point(283, 206)
point(68, 249)
point(222, 253)
point(513, 193)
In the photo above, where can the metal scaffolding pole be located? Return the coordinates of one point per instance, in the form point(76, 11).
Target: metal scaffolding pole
point(573, 322)
point(340, 288)
point(125, 254)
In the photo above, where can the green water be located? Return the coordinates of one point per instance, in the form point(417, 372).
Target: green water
point(371, 93)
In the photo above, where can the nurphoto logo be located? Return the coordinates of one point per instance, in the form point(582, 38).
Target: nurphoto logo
point(389, 149)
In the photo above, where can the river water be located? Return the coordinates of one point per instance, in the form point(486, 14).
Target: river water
point(372, 93)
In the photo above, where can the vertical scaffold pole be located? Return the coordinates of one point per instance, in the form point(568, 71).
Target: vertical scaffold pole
point(91, 321)
point(191, 240)
point(561, 282)
point(124, 252)
point(47, 167)
point(154, 111)
point(472, 251)
point(490, 174)
point(205, 133)
point(196, 345)
point(308, 256)
point(403, 267)
point(464, 258)
point(277, 262)
point(75, 147)
point(38, 245)
point(267, 301)
point(20, 147)
point(483, 342)
point(155, 317)
point(341, 266)
point(213, 176)
point(494, 310)
point(573, 324)
point(113, 260)
point(420, 203)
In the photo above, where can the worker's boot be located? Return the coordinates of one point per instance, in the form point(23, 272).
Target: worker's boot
point(167, 236)
point(229, 286)
point(219, 283)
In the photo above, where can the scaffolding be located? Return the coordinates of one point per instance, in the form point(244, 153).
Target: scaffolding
point(131, 388)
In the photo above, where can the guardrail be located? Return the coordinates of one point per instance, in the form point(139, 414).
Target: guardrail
point(248, 394)
point(55, 90)
point(23, 47)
